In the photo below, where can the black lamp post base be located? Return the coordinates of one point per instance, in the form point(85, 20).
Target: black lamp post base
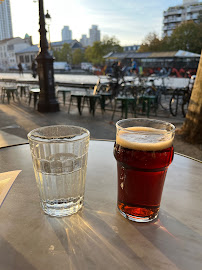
point(47, 99)
point(50, 107)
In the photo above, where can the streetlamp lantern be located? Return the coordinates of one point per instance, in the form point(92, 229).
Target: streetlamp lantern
point(47, 99)
point(48, 16)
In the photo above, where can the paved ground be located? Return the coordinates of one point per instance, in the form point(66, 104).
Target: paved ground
point(17, 119)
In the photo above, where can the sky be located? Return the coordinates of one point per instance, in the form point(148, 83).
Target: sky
point(129, 21)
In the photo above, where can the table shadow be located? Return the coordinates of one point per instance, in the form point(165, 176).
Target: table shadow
point(11, 257)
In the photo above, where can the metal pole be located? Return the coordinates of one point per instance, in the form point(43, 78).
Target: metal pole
point(49, 37)
point(47, 99)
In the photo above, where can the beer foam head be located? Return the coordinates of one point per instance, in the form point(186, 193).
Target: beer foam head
point(144, 138)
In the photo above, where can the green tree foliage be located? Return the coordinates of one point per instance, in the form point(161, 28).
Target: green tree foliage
point(77, 57)
point(153, 43)
point(95, 53)
point(187, 36)
point(65, 54)
point(111, 44)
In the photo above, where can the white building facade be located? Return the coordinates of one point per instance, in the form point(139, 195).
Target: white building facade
point(130, 48)
point(94, 34)
point(6, 30)
point(66, 33)
point(173, 16)
point(9, 48)
point(27, 55)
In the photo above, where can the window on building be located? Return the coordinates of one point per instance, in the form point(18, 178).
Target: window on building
point(26, 58)
point(10, 47)
point(21, 58)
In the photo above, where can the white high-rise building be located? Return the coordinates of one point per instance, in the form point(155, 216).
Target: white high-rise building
point(94, 34)
point(173, 16)
point(66, 33)
point(84, 40)
point(6, 30)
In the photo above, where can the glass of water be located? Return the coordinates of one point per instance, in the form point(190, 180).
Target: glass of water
point(59, 155)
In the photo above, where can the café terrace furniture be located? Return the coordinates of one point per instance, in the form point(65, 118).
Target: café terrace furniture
point(144, 103)
point(63, 91)
point(126, 101)
point(90, 98)
point(104, 96)
point(78, 95)
point(98, 236)
point(148, 102)
point(24, 89)
point(35, 93)
point(9, 91)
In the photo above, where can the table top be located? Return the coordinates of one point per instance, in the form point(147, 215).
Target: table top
point(147, 97)
point(98, 237)
point(88, 94)
point(105, 94)
point(78, 93)
point(34, 90)
point(126, 98)
point(69, 89)
point(11, 88)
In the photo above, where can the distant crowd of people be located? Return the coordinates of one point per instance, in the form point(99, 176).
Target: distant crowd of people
point(120, 69)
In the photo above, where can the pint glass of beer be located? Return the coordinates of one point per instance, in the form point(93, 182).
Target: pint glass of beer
point(143, 150)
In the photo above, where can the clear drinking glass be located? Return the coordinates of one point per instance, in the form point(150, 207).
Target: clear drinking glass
point(143, 150)
point(59, 155)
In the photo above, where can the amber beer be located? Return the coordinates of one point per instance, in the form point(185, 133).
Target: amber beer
point(143, 155)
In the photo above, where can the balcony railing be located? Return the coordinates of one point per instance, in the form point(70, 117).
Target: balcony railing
point(169, 27)
point(168, 20)
point(171, 12)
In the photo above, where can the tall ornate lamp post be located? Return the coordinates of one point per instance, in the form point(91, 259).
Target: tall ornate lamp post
point(47, 99)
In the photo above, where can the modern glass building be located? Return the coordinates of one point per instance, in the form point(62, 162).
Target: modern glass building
point(6, 30)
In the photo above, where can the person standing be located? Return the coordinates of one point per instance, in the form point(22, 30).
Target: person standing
point(34, 69)
point(20, 68)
